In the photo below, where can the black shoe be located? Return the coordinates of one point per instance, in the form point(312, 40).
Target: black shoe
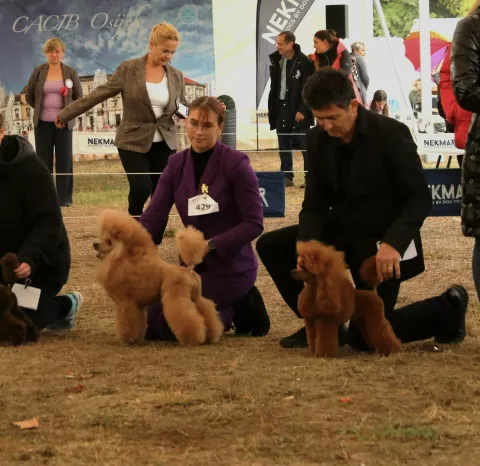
point(453, 330)
point(250, 315)
point(297, 340)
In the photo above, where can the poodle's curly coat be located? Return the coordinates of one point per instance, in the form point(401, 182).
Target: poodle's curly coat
point(329, 300)
point(135, 276)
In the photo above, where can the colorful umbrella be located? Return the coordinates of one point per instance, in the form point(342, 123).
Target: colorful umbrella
point(438, 48)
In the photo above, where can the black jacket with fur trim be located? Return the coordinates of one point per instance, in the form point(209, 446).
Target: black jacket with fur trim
point(31, 223)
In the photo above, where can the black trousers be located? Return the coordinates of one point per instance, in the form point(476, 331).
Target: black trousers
point(289, 138)
point(50, 139)
point(143, 186)
point(51, 308)
point(417, 321)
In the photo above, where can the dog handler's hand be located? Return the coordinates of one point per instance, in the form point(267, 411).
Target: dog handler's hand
point(23, 271)
point(388, 262)
point(58, 123)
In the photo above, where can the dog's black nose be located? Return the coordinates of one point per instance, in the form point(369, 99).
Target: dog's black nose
point(96, 245)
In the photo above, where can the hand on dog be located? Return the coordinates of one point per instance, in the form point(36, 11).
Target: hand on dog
point(388, 262)
point(206, 249)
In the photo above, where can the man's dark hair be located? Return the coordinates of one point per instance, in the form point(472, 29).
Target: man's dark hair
point(328, 87)
point(288, 36)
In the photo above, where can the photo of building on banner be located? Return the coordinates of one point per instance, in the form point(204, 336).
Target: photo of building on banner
point(99, 35)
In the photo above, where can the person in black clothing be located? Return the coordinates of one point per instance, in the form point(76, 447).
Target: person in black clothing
point(366, 195)
point(32, 228)
point(287, 113)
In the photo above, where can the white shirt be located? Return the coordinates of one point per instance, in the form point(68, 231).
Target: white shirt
point(158, 93)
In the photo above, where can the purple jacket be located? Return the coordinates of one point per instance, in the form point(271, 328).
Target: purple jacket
point(232, 183)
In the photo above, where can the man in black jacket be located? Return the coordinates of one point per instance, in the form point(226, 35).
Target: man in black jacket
point(287, 113)
point(31, 226)
point(366, 195)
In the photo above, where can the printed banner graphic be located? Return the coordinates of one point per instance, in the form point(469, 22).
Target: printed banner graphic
point(99, 35)
point(445, 186)
point(272, 191)
point(273, 17)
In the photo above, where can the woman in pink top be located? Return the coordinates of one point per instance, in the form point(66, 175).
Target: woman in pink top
point(51, 87)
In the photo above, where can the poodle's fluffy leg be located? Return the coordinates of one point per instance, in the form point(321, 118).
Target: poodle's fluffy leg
point(128, 322)
point(376, 329)
point(206, 307)
point(184, 320)
point(326, 343)
point(32, 333)
point(311, 335)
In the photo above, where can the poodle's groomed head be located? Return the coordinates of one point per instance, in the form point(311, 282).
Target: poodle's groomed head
point(321, 259)
point(120, 230)
point(9, 263)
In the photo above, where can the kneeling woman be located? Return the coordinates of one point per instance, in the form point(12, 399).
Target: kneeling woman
point(215, 189)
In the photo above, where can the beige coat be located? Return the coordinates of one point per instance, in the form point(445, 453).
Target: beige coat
point(34, 90)
point(138, 126)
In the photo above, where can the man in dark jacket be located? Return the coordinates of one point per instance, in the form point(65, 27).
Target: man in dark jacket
point(366, 194)
point(287, 113)
point(31, 227)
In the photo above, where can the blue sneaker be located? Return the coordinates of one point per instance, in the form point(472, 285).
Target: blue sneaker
point(67, 324)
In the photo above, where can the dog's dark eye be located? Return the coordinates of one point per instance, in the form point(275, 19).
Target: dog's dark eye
point(109, 242)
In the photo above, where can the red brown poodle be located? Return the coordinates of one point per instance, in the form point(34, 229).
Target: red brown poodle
point(329, 300)
point(15, 326)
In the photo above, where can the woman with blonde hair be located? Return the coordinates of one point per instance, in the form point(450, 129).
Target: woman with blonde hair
point(51, 87)
point(152, 91)
point(465, 74)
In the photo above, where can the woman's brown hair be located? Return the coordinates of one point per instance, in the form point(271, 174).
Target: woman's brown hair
point(204, 104)
point(380, 96)
point(327, 34)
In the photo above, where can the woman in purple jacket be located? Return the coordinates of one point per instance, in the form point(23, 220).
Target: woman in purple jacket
point(215, 189)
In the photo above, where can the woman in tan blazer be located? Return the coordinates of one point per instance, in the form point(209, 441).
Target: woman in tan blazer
point(151, 91)
point(51, 87)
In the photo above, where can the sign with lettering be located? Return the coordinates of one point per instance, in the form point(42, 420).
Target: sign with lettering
point(96, 143)
point(273, 17)
point(446, 190)
point(99, 35)
point(272, 191)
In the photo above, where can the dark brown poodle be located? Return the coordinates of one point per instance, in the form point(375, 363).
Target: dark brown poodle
point(329, 300)
point(15, 327)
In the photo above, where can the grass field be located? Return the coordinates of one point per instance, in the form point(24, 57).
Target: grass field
point(244, 401)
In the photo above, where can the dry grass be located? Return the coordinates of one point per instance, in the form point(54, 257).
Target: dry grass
point(244, 401)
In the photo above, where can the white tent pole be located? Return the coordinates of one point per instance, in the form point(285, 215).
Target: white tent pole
point(425, 60)
point(388, 37)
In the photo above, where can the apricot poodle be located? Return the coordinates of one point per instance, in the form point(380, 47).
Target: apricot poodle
point(135, 276)
point(329, 300)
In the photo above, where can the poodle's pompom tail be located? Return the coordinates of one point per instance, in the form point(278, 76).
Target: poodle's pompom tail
point(368, 271)
point(191, 245)
point(9, 263)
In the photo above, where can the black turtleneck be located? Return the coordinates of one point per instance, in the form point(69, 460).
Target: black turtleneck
point(200, 160)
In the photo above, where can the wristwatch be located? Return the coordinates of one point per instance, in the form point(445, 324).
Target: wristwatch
point(211, 245)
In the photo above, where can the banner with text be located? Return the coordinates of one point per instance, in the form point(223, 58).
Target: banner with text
point(99, 35)
point(445, 186)
point(272, 191)
point(96, 143)
point(273, 17)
